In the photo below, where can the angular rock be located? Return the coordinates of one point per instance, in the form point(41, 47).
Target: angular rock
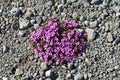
point(43, 66)
point(24, 24)
point(78, 77)
point(48, 73)
point(93, 24)
point(5, 49)
point(39, 19)
point(90, 34)
point(50, 3)
point(4, 78)
point(63, 1)
point(18, 72)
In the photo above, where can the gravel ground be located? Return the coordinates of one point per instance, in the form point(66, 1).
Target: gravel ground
point(100, 60)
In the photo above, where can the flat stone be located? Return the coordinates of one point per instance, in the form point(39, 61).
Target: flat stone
point(18, 72)
point(109, 37)
point(48, 73)
point(93, 24)
point(50, 3)
point(4, 78)
point(78, 77)
point(24, 24)
point(95, 1)
point(43, 66)
point(63, 1)
point(90, 34)
point(39, 19)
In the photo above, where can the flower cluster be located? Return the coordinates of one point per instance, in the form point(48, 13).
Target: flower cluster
point(59, 42)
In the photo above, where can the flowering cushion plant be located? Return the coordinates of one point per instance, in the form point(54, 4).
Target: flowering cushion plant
point(58, 42)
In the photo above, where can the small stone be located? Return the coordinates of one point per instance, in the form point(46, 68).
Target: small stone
point(82, 18)
point(21, 33)
point(68, 75)
point(63, 1)
point(78, 77)
point(16, 11)
point(29, 13)
point(74, 15)
point(91, 34)
point(50, 3)
point(4, 78)
point(110, 69)
point(60, 7)
point(109, 37)
point(116, 67)
point(93, 24)
point(73, 0)
point(43, 66)
point(85, 77)
point(18, 72)
point(95, 1)
point(18, 60)
point(5, 49)
point(39, 19)
point(86, 23)
point(48, 73)
point(32, 21)
point(24, 24)
point(15, 26)
point(89, 75)
point(36, 26)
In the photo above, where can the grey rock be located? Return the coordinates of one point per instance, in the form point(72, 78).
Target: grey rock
point(93, 24)
point(78, 77)
point(32, 21)
point(109, 37)
point(36, 26)
point(68, 75)
point(82, 18)
point(91, 34)
point(74, 15)
point(60, 7)
point(18, 72)
point(15, 26)
point(4, 78)
point(73, 0)
point(85, 77)
point(16, 11)
point(116, 67)
point(39, 19)
point(89, 75)
point(63, 1)
point(48, 73)
point(86, 23)
point(21, 33)
point(95, 1)
point(5, 48)
point(50, 3)
point(24, 24)
point(17, 60)
point(43, 66)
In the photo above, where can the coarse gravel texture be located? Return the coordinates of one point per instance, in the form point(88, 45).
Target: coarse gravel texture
point(99, 61)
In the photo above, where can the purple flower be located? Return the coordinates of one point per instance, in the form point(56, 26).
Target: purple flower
point(58, 42)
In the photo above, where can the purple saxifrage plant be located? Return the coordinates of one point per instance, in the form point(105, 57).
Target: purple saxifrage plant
point(58, 42)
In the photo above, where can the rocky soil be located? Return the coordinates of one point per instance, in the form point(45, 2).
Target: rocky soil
point(100, 60)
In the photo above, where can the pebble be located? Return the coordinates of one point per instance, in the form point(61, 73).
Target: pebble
point(50, 3)
point(85, 77)
point(68, 75)
point(109, 37)
point(39, 19)
point(93, 24)
point(73, 0)
point(32, 21)
point(4, 78)
point(48, 73)
point(24, 24)
point(43, 66)
point(63, 1)
point(5, 49)
point(78, 77)
point(74, 15)
point(60, 7)
point(91, 34)
point(89, 75)
point(109, 69)
point(18, 72)
point(116, 67)
point(21, 33)
point(95, 1)
point(86, 23)
point(15, 26)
